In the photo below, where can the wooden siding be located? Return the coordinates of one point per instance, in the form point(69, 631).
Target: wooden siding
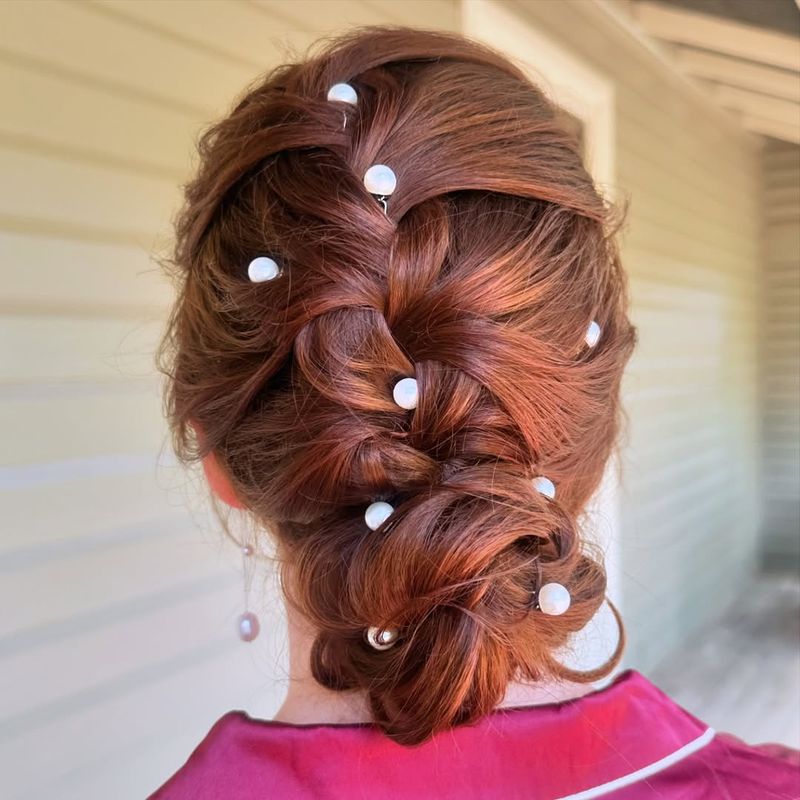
point(780, 363)
point(119, 645)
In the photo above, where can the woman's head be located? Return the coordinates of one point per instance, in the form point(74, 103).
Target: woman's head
point(480, 280)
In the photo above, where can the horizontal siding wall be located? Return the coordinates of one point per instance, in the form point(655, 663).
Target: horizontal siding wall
point(691, 248)
point(120, 643)
point(780, 373)
point(119, 639)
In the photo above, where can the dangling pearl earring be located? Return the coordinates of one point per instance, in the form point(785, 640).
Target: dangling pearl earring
point(248, 623)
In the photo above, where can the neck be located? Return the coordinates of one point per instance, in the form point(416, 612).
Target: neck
point(307, 702)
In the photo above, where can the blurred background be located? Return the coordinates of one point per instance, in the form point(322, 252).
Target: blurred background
point(119, 592)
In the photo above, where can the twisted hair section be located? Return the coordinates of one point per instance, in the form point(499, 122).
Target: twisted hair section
point(479, 279)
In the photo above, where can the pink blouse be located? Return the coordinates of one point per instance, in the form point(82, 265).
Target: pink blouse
point(627, 741)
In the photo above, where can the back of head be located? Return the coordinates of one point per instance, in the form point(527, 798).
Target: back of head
point(479, 279)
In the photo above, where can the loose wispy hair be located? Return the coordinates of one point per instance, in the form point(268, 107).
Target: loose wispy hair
point(496, 252)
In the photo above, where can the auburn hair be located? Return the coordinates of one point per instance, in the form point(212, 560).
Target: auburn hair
point(495, 253)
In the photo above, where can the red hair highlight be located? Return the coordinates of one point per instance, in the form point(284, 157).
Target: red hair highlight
point(496, 253)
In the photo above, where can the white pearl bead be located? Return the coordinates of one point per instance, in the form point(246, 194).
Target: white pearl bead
point(381, 639)
point(406, 393)
point(593, 333)
point(380, 180)
point(263, 269)
point(376, 514)
point(342, 93)
point(554, 599)
point(544, 486)
point(248, 626)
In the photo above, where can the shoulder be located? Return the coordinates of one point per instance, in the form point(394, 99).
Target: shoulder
point(678, 756)
point(769, 761)
point(728, 767)
point(255, 759)
point(221, 765)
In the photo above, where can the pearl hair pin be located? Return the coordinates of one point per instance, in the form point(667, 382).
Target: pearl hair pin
point(553, 599)
point(593, 333)
point(342, 93)
point(545, 486)
point(377, 513)
point(382, 638)
point(380, 181)
point(406, 393)
point(263, 268)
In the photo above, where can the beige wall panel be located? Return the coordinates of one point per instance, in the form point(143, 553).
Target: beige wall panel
point(91, 659)
point(241, 33)
point(75, 38)
point(76, 194)
point(92, 122)
point(252, 32)
point(783, 200)
point(89, 506)
point(684, 272)
point(104, 583)
point(41, 273)
point(323, 16)
point(60, 347)
point(444, 14)
point(48, 425)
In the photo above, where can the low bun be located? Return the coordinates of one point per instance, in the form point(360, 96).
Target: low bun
point(478, 279)
point(455, 571)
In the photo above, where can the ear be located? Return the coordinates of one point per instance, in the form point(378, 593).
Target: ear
point(217, 479)
point(219, 482)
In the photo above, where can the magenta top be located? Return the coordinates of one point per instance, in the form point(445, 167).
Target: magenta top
point(627, 741)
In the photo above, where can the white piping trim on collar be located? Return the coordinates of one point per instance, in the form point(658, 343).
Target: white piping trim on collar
point(645, 772)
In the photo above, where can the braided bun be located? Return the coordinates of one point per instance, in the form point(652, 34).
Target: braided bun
point(479, 279)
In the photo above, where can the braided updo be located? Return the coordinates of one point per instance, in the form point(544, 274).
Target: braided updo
point(494, 254)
